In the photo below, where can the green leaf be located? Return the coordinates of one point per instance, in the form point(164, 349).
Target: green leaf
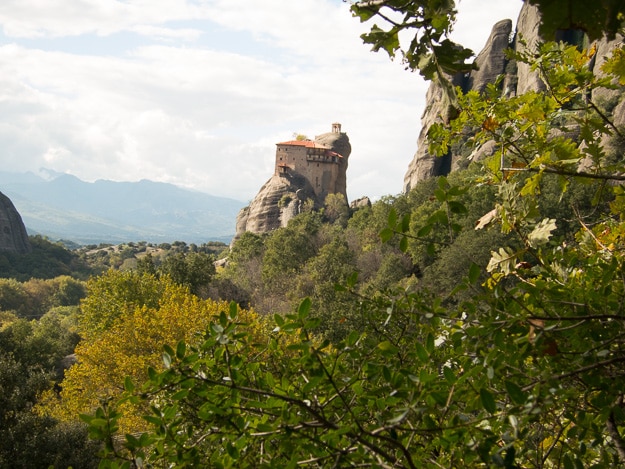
point(449, 375)
point(223, 320)
point(167, 349)
point(365, 14)
point(430, 343)
point(352, 338)
point(532, 185)
point(152, 374)
point(440, 216)
point(232, 450)
point(488, 401)
point(388, 347)
point(403, 244)
point(422, 353)
point(386, 234)
point(431, 249)
point(304, 309)
point(279, 320)
point(234, 310)
point(474, 272)
point(457, 207)
point(132, 441)
point(128, 385)
point(98, 422)
point(352, 279)
point(405, 223)
point(425, 230)
point(392, 218)
point(515, 392)
point(440, 195)
point(182, 394)
point(312, 323)
point(181, 350)
point(616, 65)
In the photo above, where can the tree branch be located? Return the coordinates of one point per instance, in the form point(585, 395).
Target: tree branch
point(615, 434)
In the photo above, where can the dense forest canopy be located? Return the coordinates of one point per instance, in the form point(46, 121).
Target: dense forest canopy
point(475, 321)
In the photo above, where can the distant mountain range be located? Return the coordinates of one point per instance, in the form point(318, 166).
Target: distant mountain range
point(61, 206)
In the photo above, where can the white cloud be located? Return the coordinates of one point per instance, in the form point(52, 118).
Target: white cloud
point(61, 18)
point(198, 93)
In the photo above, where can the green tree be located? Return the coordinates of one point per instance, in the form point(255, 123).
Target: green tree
point(28, 440)
point(12, 296)
point(193, 269)
point(288, 249)
point(336, 209)
point(241, 280)
point(29, 353)
point(69, 291)
point(146, 264)
point(333, 264)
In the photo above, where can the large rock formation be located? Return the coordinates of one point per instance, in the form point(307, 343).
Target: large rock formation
point(306, 172)
point(518, 79)
point(279, 200)
point(491, 63)
point(13, 236)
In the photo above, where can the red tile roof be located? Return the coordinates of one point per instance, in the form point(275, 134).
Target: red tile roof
point(300, 143)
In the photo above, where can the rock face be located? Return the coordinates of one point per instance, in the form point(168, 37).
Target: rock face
point(518, 79)
point(491, 63)
point(360, 203)
point(306, 172)
point(279, 200)
point(13, 236)
point(527, 30)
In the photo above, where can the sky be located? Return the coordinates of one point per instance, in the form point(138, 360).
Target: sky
point(198, 92)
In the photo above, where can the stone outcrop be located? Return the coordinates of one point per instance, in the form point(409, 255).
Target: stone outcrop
point(279, 200)
point(306, 171)
point(357, 204)
point(491, 63)
point(13, 236)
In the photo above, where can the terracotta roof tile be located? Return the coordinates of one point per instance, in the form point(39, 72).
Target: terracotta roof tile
point(300, 143)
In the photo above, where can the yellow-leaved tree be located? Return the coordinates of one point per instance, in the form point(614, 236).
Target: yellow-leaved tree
point(126, 319)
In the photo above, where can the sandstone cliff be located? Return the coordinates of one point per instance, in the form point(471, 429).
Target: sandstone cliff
point(13, 236)
point(279, 200)
point(298, 183)
point(518, 78)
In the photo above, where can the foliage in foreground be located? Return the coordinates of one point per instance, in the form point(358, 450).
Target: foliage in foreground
point(523, 370)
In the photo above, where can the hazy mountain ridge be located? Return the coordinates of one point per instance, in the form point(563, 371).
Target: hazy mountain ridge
point(65, 207)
